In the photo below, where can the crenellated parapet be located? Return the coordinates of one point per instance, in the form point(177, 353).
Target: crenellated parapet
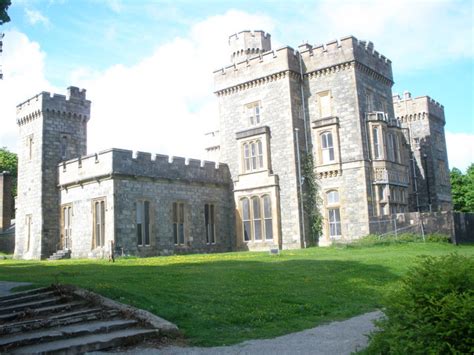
point(74, 105)
point(337, 54)
point(247, 44)
point(266, 67)
point(412, 109)
point(125, 163)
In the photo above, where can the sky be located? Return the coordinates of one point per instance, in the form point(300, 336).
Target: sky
point(147, 64)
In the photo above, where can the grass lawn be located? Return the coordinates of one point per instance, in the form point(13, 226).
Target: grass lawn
point(227, 298)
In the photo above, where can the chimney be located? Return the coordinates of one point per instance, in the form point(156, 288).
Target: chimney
point(6, 203)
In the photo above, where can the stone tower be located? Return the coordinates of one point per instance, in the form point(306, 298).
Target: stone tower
point(425, 120)
point(259, 103)
point(53, 128)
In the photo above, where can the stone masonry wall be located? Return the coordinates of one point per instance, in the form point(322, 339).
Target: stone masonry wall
point(6, 203)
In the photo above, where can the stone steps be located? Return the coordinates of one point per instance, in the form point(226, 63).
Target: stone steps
point(68, 320)
point(61, 254)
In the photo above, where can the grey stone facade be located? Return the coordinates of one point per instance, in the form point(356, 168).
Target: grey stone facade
point(332, 102)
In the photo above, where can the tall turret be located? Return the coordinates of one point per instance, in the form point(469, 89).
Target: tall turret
point(248, 44)
point(53, 128)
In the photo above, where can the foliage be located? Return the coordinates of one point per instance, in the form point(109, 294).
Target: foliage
point(9, 162)
point(4, 4)
point(226, 298)
point(432, 312)
point(311, 199)
point(390, 239)
point(462, 189)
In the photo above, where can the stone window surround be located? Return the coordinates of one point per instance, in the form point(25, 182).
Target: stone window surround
point(253, 113)
point(102, 203)
point(66, 225)
point(329, 124)
point(256, 134)
point(332, 206)
point(142, 202)
point(324, 111)
point(211, 207)
point(177, 221)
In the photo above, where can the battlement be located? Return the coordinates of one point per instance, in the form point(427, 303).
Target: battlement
point(265, 65)
point(345, 50)
point(120, 162)
point(73, 104)
point(407, 105)
point(247, 44)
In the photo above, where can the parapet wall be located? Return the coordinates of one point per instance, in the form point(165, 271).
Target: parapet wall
point(345, 50)
point(73, 104)
point(246, 44)
point(117, 162)
point(406, 106)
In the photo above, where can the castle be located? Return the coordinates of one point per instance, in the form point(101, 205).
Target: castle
point(374, 155)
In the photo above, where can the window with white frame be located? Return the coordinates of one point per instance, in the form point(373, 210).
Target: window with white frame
point(178, 223)
point(66, 226)
point(324, 99)
point(376, 142)
point(327, 147)
point(257, 221)
point(143, 223)
point(253, 113)
point(252, 155)
point(334, 216)
point(99, 223)
point(209, 220)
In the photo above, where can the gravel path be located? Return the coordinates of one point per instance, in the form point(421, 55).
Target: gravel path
point(335, 338)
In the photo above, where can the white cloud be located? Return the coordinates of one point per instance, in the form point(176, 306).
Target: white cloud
point(460, 150)
point(23, 77)
point(165, 103)
point(35, 17)
point(413, 34)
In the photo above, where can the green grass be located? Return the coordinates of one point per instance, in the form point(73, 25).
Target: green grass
point(227, 298)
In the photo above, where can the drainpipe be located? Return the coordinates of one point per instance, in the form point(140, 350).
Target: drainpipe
point(303, 104)
point(300, 183)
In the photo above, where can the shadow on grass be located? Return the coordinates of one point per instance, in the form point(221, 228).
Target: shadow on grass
point(224, 302)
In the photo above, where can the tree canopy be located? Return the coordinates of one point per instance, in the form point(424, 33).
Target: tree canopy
point(4, 4)
point(8, 161)
point(462, 189)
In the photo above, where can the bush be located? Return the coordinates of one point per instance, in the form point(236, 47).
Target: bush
point(390, 239)
point(432, 312)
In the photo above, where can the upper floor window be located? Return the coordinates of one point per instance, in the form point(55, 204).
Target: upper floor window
point(64, 142)
point(369, 101)
point(209, 220)
point(327, 147)
point(376, 141)
point(324, 99)
point(253, 113)
point(178, 223)
point(257, 222)
point(253, 155)
point(99, 223)
point(143, 222)
point(391, 147)
point(29, 143)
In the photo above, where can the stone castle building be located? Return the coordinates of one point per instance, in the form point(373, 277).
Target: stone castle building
point(373, 156)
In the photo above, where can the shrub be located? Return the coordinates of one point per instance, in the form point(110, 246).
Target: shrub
point(432, 312)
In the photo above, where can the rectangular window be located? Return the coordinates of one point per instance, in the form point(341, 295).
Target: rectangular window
point(66, 231)
point(143, 222)
point(246, 219)
point(334, 222)
point(327, 147)
point(325, 104)
point(178, 223)
point(376, 141)
point(28, 223)
point(257, 219)
point(209, 220)
point(99, 223)
point(253, 113)
point(267, 215)
point(29, 143)
point(369, 101)
point(391, 147)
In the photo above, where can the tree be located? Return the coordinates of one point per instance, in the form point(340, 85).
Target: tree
point(462, 189)
point(9, 162)
point(4, 4)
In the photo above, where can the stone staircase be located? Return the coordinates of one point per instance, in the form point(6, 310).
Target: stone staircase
point(67, 320)
point(61, 254)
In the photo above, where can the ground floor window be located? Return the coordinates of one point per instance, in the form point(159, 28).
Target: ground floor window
point(28, 223)
point(143, 222)
point(257, 220)
point(66, 226)
point(334, 215)
point(209, 220)
point(178, 223)
point(99, 223)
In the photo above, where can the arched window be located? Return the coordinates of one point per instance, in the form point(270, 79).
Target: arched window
point(327, 147)
point(334, 216)
point(246, 219)
point(267, 216)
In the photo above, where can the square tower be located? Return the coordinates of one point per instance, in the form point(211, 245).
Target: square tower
point(53, 128)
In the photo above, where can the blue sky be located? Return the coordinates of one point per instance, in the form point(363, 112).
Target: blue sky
point(147, 65)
